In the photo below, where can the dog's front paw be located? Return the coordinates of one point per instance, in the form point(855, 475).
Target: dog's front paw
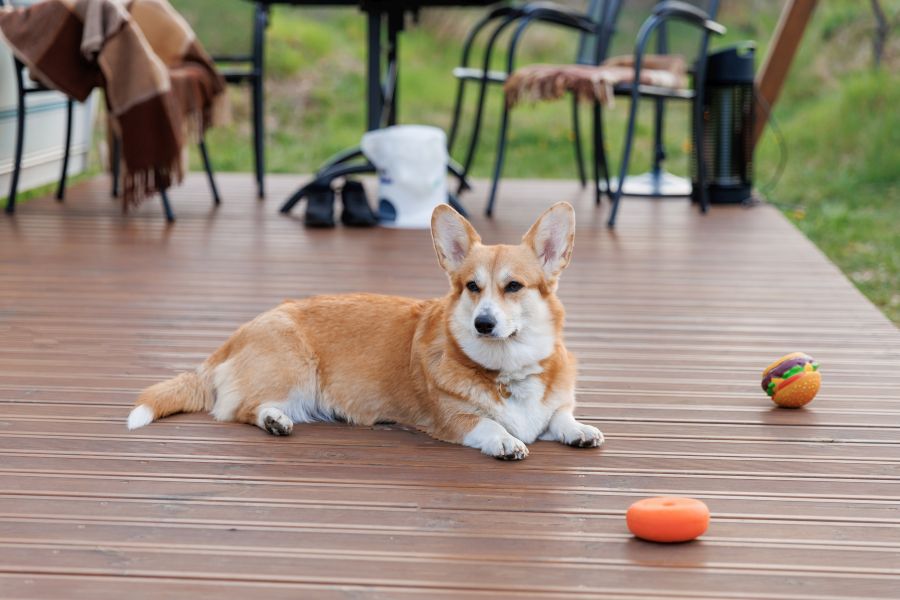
point(492, 439)
point(506, 448)
point(581, 435)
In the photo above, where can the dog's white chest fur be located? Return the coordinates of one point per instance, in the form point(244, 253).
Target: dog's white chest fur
point(524, 413)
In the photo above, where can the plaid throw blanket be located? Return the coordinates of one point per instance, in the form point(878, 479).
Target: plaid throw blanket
point(160, 85)
point(590, 83)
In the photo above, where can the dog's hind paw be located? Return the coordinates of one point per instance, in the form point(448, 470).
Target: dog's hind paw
point(279, 426)
point(275, 422)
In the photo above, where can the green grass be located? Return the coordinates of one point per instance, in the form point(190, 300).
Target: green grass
point(845, 194)
point(840, 118)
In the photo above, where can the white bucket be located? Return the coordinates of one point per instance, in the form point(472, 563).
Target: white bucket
point(412, 173)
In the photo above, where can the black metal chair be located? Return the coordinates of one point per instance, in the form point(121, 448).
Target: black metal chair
point(696, 17)
point(240, 69)
point(596, 27)
point(25, 88)
point(249, 69)
point(239, 62)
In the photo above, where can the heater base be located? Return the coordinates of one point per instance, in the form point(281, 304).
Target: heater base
point(653, 184)
point(732, 194)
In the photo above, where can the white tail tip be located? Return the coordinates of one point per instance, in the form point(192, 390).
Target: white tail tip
point(140, 416)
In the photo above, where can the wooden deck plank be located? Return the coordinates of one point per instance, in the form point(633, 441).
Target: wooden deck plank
point(212, 543)
point(464, 571)
point(672, 317)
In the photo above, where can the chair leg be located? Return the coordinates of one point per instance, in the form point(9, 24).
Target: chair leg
point(167, 207)
point(17, 157)
point(476, 132)
point(457, 111)
point(116, 164)
point(259, 137)
point(61, 189)
point(626, 156)
point(600, 161)
point(576, 140)
point(260, 23)
point(699, 156)
point(597, 150)
point(207, 166)
point(498, 165)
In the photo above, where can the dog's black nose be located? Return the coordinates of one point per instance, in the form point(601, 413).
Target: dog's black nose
point(485, 324)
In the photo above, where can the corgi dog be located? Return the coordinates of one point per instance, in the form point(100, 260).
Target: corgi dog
point(484, 366)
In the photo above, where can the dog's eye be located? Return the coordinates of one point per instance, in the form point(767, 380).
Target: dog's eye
point(473, 287)
point(513, 286)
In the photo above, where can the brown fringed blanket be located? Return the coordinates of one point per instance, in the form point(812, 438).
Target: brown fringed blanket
point(592, 83)
point(160, 85)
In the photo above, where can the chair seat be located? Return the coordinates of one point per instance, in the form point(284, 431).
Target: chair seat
point(624, 89)
point(661, 76)
point(238, 75)
point(30, 86)
point(472, 74)
point(37, 88)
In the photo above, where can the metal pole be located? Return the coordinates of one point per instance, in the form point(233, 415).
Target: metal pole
point(375, 100)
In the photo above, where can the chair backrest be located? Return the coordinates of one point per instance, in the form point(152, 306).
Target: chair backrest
point(672, 37)
point(694, 43)
point(225, 28)
point(593, 48)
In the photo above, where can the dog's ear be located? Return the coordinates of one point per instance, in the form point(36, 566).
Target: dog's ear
point(453, 237)
point(552, 238)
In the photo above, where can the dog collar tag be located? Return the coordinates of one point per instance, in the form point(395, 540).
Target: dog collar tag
point(503, 390)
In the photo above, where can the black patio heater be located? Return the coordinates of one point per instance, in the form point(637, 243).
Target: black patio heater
point(728, 131)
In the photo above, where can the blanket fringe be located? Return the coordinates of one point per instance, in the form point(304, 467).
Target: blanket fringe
point(140, 185)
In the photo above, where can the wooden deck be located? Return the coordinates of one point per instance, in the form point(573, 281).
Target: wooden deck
point(673, 317)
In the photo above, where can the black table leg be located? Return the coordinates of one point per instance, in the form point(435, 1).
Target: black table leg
point(381, 89)
point(395, 26)
point(375, 98)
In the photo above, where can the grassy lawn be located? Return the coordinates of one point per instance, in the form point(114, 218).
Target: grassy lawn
point(840, 118)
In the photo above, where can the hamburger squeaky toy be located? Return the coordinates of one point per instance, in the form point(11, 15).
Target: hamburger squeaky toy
point(793, 380)
point(667, 519)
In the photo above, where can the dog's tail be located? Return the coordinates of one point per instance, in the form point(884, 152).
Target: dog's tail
point(189, 392)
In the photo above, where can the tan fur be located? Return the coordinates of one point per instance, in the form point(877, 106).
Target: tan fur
point(187, 392)
point(367, 358)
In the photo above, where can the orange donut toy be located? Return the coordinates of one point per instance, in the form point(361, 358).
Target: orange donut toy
point(667, 519)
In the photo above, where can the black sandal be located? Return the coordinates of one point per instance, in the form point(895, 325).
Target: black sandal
point(319, 206)
point(357, 212)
